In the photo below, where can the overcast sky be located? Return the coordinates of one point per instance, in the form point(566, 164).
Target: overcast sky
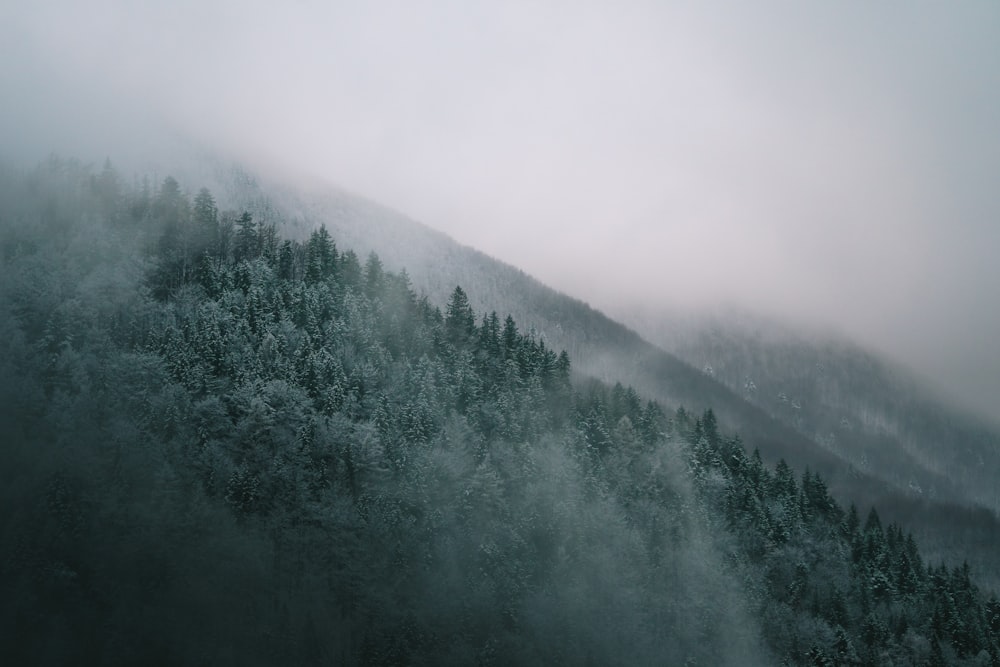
point(835, 161)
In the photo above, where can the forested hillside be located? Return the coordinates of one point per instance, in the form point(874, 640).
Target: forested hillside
point(223, 446)
point(873, 415)
point(600, 346)
point(936, 479)
point(870, 412)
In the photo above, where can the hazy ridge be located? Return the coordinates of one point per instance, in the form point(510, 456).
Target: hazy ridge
point(892, 443)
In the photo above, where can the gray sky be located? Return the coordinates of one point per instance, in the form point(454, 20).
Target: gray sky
point(831, 161)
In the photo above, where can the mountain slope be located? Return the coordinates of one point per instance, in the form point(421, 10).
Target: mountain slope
point(224, 447)
point(606, 349)
point(603, 347)
point(875, 415)
point(868, 412)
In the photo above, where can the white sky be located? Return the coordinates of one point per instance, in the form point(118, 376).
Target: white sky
point(825, 161)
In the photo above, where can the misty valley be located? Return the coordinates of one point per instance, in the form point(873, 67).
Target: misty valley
point(246, 424)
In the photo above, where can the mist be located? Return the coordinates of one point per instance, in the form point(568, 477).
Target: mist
point(834, 165)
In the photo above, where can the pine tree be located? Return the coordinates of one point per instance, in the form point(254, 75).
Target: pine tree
point(321, 256)
point(205, 216)
point(510, 337)
point(460, 321)
point(247, 239)
point(374, 276)
point(350, 268)
point(286, 261)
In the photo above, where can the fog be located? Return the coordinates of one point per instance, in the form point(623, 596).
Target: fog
point(833, 164)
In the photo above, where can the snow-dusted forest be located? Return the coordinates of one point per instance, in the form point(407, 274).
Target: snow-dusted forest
point(231, 439)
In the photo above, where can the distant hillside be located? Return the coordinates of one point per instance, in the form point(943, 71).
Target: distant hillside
point(863, 408)
point(870, 413)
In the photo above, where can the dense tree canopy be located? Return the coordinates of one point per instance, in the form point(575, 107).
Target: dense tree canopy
point(226, 447)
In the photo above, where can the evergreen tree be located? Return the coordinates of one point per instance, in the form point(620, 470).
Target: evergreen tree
point(205, 216)
point(374, 276)
point(247, 242)
point(286, 261)
point(460, 321)
point(321, 256)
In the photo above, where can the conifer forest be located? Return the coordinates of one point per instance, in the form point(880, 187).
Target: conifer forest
point(230, 442)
